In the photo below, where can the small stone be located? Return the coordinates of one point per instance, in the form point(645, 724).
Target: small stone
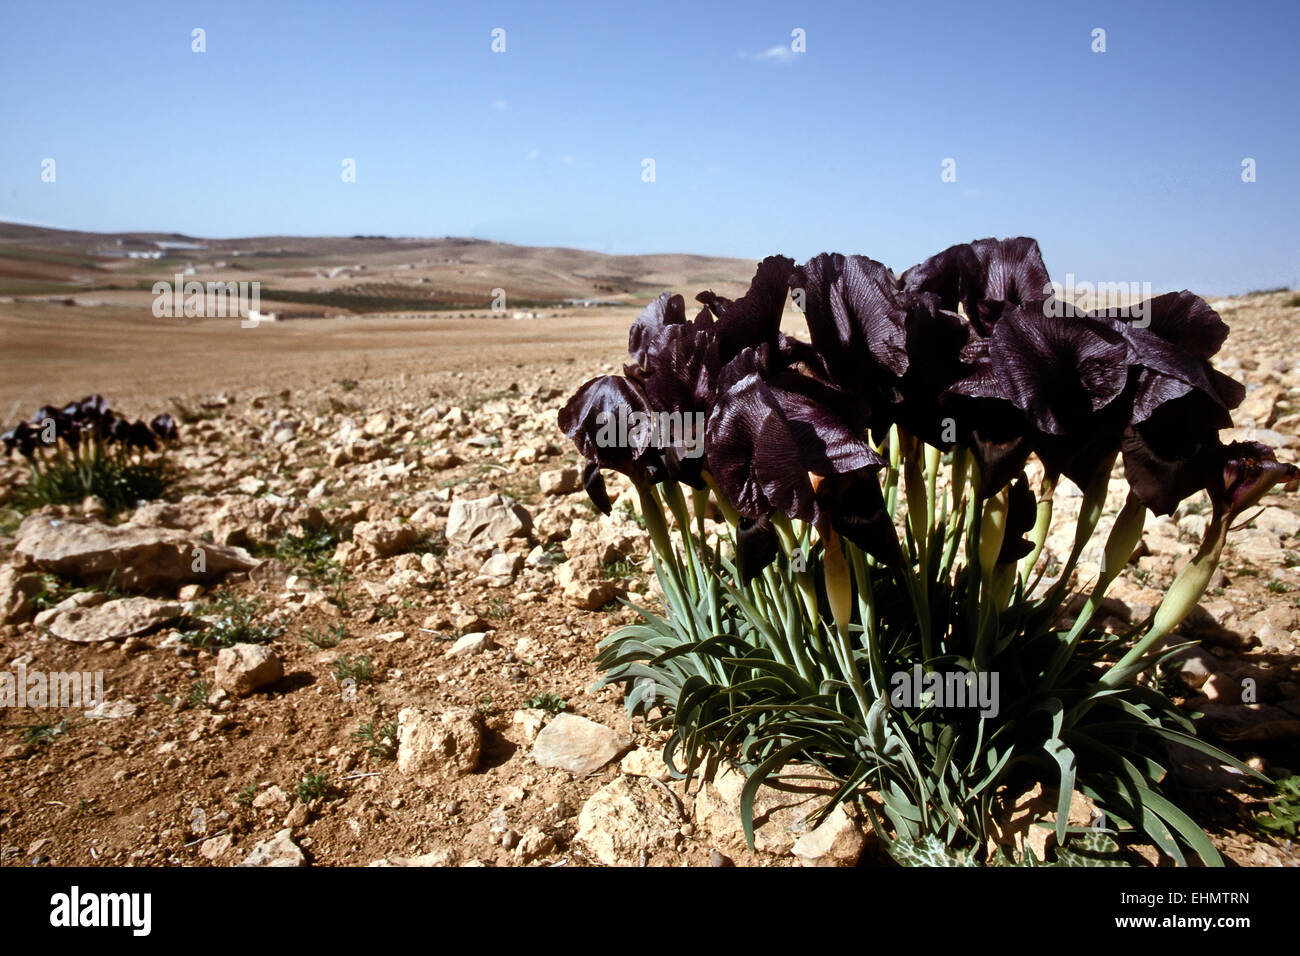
point(245, 668)
point(280, 850)
point(580, 579)
point(1194, 667)
point(475, 643)
point(298, 816)
point(534, 843)
point(500, 569)
point(112, 710)
point(529, 722)
point(576, 744)
point(561, 481)
point(837, 842)
point(383, 539)
point(270, 798)
point(491, 520)
point(645, 763)
point(214, 848)
point(621, 825)
point(539, 558)
point(433, 748)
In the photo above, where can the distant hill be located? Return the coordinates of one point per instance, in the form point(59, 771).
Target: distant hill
point(356, 273)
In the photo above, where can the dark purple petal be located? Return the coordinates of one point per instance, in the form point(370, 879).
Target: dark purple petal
point(854, 313)
point(753, 455)
point(1185, 321)
point(594, 484)
point(1249, 471)
point(164, 426)
point(1022, 512)
point(765, 439)
point(664, 311)
point(756, 546)
point(754, 318)
point(680, 370)
point(857, 512)
point(985, 277)
point(607, 420)
point(1057, 371)
point(1172, 454)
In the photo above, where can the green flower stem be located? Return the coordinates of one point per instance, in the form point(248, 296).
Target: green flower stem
point(920, 507)
point(1094, 501)
point(657, 526)
point(962, 468)
point(992, 530)
point(700, 505)
point(891, 473)
point(1182, 596)
point(932, 460)
point(914, 485)
point(973, 514)
point(839, 594)
point(1120, 544)
point(867, 614)
point(793, 540)
point(728, 512)
point(1042, 522)
point(672, 493)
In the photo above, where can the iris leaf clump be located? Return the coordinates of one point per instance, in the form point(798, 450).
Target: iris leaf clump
point(875, 611)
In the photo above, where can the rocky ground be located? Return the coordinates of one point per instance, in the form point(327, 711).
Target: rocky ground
point(414, 585)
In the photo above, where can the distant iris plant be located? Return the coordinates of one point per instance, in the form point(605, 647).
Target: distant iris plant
point(883, 535)
point(86, 449)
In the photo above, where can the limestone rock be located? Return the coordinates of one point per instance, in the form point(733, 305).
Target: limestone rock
point(383, 539)
point(581, 581)
point(469, 644)
point(434, 748)
point(280, 850)
point(622, 821)
point(491, 520)
point(245, 668)
point(576, 744)
point(137, 559)
point(500, 569)
point(16, 591)
point(561, 481)
point(113, 620)
point(839, 841)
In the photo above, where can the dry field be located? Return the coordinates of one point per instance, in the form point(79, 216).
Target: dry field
point(370, 435)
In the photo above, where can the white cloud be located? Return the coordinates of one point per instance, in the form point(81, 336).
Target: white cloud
point(532, 155)
point(567, 160)
point(775, 54)
point(500, 105)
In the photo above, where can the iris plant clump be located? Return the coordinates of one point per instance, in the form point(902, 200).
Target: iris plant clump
point(86, 449)
point(877, 612)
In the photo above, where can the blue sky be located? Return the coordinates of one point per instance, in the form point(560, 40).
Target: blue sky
point(1126, 165)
